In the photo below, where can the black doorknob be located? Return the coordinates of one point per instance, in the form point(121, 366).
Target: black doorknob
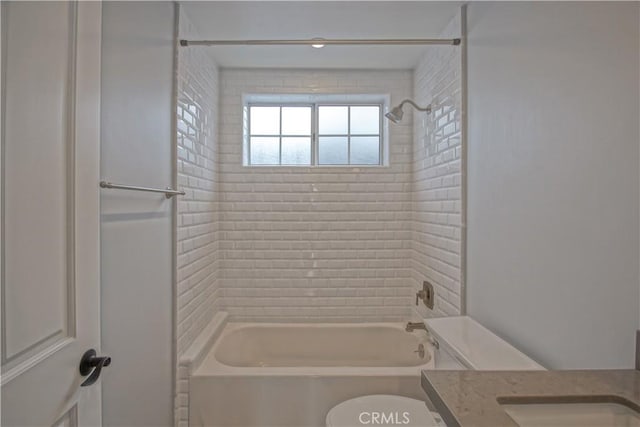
point(92, 364)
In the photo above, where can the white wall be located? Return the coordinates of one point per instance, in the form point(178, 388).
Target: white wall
point(315, 243)
point(553, 178)
point(436, 238)
point(137, 148)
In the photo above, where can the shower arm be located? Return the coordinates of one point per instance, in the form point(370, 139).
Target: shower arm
point(408, 101)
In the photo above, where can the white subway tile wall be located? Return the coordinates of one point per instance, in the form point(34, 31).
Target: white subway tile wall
point(436, 177)
point(198, 256)
point(314, 243)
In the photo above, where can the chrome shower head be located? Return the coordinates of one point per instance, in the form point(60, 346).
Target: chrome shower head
point(396, 113)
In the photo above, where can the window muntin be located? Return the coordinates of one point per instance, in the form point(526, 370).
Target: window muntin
point(319, 134)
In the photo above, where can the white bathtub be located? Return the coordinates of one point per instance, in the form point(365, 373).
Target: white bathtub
point(263, 375)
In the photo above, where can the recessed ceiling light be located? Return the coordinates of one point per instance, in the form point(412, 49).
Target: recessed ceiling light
point(318, 45)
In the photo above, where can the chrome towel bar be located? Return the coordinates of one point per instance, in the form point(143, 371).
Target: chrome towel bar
point(168, 192)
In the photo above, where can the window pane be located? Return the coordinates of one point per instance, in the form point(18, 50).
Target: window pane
point(265, 151)
point(333, 120)
point(296, 121)
point(365, 120)
point(365, 150)
point(265, 120)
point(332, 150)
point(296, 151)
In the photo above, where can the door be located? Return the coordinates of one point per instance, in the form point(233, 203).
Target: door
point(50, 256)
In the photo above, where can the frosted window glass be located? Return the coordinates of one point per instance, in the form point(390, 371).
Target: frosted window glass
point(265, 151)
point(333, 120)
point(265, 120)
point(365, 120)
point(365, 150)
point(333, 150)
point(296, 120)
point(296, 151)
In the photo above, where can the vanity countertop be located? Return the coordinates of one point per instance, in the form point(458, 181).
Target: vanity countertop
point(472, 398)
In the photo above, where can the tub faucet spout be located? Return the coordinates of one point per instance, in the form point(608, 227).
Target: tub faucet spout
point(412, 326)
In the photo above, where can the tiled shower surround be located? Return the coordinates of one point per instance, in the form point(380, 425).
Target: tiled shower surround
point(436, 230)
point(198, 209)
point(318, 243)
point(314, 243)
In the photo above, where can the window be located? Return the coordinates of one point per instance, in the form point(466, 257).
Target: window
point(315, 134)
point(280, 135)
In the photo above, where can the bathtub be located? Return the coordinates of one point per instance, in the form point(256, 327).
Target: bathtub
point(271, 374)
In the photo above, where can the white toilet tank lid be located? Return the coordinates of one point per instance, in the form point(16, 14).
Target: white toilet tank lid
point(368, 410)
point(477, 347)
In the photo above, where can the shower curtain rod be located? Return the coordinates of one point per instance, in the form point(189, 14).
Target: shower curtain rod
point(344, 42)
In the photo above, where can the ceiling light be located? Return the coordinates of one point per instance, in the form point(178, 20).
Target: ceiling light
point(318, 45)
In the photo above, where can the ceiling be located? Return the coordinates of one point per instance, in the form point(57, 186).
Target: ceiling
point(238, 20)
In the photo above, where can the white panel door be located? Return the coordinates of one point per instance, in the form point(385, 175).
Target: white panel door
point(50, 211)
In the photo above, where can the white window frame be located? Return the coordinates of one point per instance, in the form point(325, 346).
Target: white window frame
point(314, 101)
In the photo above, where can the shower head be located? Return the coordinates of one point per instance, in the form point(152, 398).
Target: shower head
point(396, 113)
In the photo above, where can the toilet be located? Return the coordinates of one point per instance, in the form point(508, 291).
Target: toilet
point(458, 343)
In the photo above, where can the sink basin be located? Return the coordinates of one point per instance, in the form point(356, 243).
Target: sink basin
point(572, 414)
